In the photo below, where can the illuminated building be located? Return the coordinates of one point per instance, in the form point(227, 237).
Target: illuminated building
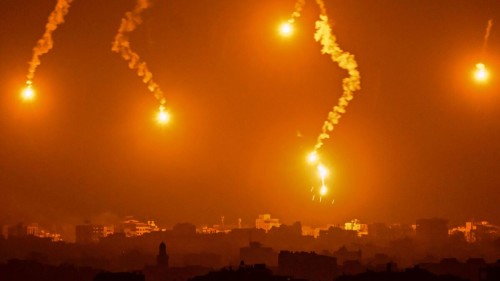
point(132, 227)
point(354, 225)
point(477, 231)
point(310, 231)
point(266, 222)
point(89, 233)
point(33, 229)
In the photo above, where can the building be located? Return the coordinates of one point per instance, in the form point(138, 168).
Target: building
point(162, 258)
point(431, 231)
point(310, 266)
point(256, 254)
point(89, 233)
point(354, 225)
point(132, 227)
point(266, 222)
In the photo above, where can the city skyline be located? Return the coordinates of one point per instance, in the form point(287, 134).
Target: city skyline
point(421, 138)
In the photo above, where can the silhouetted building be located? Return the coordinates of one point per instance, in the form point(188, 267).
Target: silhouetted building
point(431, 232)
point(491, 272)
point(256, 254)
point(343, 255)
point(415, 274)
point(162, 258)
point(89, 233)
point(119, 276)
point(244, 273)
point(184, 229)
point(24, 270)
point(210, 260)
point(18, 230)
point(306, 265)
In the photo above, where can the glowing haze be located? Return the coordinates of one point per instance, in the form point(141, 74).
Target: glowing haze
point(420, 139)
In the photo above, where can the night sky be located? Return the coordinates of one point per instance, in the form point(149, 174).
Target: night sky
point(421, 139)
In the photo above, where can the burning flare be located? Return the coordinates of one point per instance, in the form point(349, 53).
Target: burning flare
point(312, 157)
point(481, 74)
point(121, 45)
point(286, 29)
point(163, 117)
point(28, 94)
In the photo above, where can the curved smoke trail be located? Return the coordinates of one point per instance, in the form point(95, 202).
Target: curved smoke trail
point(299, 5)
point(121, 45)
point(46, 43)
point(487, 35)
point(346, 61)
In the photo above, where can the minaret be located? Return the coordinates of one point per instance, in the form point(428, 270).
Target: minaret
point(162, 258)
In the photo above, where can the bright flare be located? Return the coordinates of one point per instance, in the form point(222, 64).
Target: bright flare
point(286, 29)
point(312, 157)
point(481, 74)
point(28, 94)
point(163, 117)
point(322, 171)
point(323, 191)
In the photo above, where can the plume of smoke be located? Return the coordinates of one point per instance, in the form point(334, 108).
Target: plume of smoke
point(121, 45)
point(299, 5)
point(345, 61)
point(46, 43)
point(487, 34)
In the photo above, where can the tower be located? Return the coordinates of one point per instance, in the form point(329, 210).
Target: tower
point(162, 258)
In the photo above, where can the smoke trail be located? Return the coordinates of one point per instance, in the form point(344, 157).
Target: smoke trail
point(46, 43)
point(487, 34)
point(345, 61)
point(299, 5)
point(121, 45)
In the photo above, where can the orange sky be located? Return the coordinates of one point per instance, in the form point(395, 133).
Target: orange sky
point(420, 139)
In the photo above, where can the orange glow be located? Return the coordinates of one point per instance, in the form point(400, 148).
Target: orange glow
point(286, 29)
point(323, 190)
point(481, 74)
point(163, 117)
point(28, 94)
point(312, 157)
point(322, 171)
